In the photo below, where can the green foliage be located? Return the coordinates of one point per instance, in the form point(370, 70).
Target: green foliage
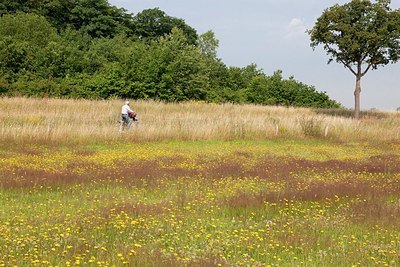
point(89, 49)
point(274, 90)
point(12, 6)
point(98, 19)
point(27, 28)
point(23, 38)
point(154, 23)
point(359, 32)
point(185, 75)
point(94, 17)
point(361, 35)
point(208, 44)
point(13, 55)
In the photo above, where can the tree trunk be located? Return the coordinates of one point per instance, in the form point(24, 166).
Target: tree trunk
point(357, 93)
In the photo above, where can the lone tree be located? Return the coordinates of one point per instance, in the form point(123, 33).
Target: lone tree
point(361, 35)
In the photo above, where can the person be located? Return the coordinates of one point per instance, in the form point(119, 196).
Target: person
point(125, 119)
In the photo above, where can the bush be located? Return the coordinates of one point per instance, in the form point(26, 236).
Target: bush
point(311, 127)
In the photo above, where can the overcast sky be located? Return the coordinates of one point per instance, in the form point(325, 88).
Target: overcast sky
point(271, 34)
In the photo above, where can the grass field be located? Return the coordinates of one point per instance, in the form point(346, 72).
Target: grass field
point(241, 186)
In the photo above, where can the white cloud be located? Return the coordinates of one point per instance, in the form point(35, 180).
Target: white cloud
point(295, 29)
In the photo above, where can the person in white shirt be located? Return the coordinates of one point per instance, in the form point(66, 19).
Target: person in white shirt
point(125, 119)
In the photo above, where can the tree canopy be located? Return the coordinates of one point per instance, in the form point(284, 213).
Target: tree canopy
point(95, 17)
point(361, 35)
point(154, 23)
point(90, 49)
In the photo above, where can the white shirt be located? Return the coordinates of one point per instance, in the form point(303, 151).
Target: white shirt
point(125, 109)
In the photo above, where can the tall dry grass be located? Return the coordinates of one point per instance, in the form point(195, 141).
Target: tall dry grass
point(56, 120)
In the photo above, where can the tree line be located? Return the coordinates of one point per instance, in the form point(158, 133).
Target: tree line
point(91, 49)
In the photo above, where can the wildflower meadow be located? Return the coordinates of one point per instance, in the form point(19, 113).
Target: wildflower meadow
point(261, 192)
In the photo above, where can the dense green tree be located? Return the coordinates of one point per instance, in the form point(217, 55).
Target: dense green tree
point(13, 56)
point(89, 49)
point(208, 44)
point(143, 66)
point(265, 90)
point(240, 78)
point(296, 93)
point(30, 28)
point(186, 74)
point(23, 37)
point(361, 35)
point(99, 19)
point(13, 6)
point(62, 58)
point(167, 69)
point(95, 17)
point(154, 23)
point(56, 11)
point(275, 90)
point(218, 73)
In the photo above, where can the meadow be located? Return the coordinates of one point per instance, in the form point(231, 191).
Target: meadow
point(197, 184)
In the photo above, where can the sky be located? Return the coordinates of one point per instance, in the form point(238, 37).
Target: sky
point(272, 35)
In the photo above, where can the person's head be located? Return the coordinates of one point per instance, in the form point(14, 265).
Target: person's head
point(127, 102)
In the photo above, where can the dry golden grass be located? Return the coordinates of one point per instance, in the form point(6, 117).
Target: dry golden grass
point(56, 120)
